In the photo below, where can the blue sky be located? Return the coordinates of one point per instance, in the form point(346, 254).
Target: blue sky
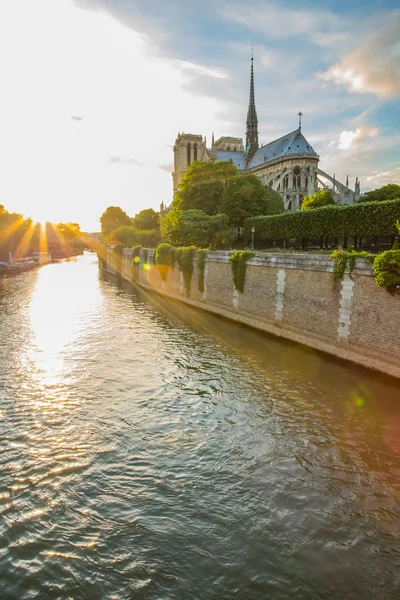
point(98, 90)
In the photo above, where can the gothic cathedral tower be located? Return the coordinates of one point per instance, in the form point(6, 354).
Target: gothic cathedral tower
point(188, 148)
point(252, 121)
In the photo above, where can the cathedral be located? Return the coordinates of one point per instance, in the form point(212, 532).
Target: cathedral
point(289, 164)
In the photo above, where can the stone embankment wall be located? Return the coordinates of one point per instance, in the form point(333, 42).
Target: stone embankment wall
point(292, 296)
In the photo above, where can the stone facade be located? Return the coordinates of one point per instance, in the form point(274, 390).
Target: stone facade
point(291, 296)
point(289, 164)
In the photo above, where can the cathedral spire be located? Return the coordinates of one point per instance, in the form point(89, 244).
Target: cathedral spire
point(252, 121)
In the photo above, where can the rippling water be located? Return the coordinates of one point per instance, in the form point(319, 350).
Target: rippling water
point(151, 451)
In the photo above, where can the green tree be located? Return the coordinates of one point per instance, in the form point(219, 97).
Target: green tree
point(146, 219)
point(112, 218)
point(68, 231)
point(15, 233)
point(195, 227)
point(245, 196)
point(203, 185)
point(387, 192)
point(320, 198)
point(130, 236)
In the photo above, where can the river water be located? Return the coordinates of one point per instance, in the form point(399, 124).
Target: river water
point(151, 451)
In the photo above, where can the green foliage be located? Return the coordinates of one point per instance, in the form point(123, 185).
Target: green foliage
point(185, 258)
point(146, 219)
point(118, 248)
point(361, 219)
point(194, 227)
point(245, 196)
point(136, 255)
point(344, 258)
point(239, 260)
point(320, 198)
point(202, 186)
point(130, 236)
point(12, 231)
point(201, 265)
point(395, 245)
point(68, 231)
point(112, 218)
point(387, 270)
point(163, 259)
point(387, 192)
point(163, 252)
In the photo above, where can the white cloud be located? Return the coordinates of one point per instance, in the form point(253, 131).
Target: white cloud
point(374, 66)
point(277, 21)
point(353, 138)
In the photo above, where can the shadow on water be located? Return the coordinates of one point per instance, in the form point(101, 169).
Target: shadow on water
point(265, 352)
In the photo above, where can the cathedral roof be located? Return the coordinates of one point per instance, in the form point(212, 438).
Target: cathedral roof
point(237, 157)
point(292, 143)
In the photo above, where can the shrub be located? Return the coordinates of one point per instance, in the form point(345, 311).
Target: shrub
point(363, 219)
point(185, 261)
point(342, 258)
point(201, 264)
point(163, 259)
point(136, 254)
point(239, 260)
point(387, 270)
point(118, 248)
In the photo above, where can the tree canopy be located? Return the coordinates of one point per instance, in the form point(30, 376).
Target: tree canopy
point(320, 198)
point(203, 185)
point(112, 218)
point(130, 236)
point(187, 227)
point(387, 192)
point(146, 219)
point(245, 196)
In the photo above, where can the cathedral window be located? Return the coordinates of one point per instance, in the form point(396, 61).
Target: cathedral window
point(296, 177)
point(188, 154)
point(195, 152)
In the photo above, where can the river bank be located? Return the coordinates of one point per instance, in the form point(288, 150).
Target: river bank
point(290, 296)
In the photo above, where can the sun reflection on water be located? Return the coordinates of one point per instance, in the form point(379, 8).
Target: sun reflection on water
point(57, 319)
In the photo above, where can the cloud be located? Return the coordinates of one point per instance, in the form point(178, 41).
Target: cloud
point(75, 118)
point(353, 138)
point(277, 21)
point(117, 160)
point(373, 67)
point(167, 168)
point(380, 178)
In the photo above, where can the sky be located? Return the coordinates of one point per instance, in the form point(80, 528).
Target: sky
point(94, 93)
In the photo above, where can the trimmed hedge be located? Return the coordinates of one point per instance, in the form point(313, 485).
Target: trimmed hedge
point(363, 219)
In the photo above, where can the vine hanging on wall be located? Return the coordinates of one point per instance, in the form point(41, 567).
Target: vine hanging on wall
point(185, 258)
point(344, 258)
point(239, 259)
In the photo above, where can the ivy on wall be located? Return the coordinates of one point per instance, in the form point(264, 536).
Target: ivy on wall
point(238, 260)
point(201, 265)
point(387, 270)
point(344, 258)
point(185, 258)
point(163, 259)
point(362, 219)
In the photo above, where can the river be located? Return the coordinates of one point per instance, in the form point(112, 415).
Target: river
point(148, 450)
